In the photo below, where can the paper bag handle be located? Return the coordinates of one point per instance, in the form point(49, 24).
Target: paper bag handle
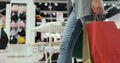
point(98, 17)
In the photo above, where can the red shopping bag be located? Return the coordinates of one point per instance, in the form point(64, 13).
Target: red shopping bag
point(104, 38)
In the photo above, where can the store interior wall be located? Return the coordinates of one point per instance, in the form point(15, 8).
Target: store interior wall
point(58, 5)
point(112, 8)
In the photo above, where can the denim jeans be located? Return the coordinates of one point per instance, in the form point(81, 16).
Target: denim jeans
point(70, 35)
point(68, 39)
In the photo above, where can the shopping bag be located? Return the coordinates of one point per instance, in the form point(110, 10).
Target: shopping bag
point(86, 48)
point(77, 35)
point(77, 50)
point(3, 39)
point(104, 42)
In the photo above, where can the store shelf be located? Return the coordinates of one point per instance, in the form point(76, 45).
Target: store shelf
point(53, 18)
point(111, 2)
point(52, 1)
point(62, 1)
point(47, 11)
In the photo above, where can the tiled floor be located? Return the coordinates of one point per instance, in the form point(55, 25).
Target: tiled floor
point(5, 58)
point(37, 54)
point(9, 55)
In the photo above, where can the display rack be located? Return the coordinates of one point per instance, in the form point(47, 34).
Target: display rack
point(22, 17)
point(50, 28)
point(29, 21)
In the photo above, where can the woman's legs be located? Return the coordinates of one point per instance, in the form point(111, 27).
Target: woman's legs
point(70, 25)
point(74, 36)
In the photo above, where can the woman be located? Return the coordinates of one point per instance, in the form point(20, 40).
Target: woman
point(81, 10)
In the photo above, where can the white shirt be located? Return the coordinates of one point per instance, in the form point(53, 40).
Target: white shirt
point(73, 1)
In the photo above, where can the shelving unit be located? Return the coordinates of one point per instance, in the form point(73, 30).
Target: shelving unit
point(28, 19)
point(56, 6)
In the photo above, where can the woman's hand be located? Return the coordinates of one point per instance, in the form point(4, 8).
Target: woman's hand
point(97, 7)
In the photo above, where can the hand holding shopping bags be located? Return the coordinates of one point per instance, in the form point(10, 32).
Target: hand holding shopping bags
point(104, 42)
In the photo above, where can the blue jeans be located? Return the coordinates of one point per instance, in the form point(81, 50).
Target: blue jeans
point(69, 37)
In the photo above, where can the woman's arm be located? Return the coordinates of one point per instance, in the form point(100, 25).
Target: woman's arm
point(97, 7)
point(69, 6)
